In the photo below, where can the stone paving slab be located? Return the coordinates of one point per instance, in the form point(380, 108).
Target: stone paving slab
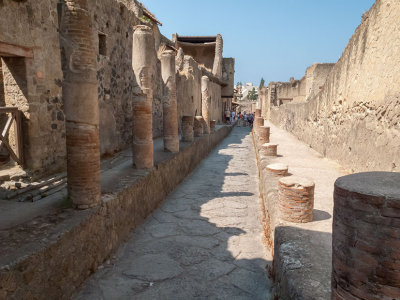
point(205, 241)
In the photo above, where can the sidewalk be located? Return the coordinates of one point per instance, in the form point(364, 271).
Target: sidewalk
point(205, 241)
point(302, 252)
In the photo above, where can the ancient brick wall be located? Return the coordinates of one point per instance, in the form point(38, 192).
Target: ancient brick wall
point(34, 84)
point(117, 85)
point(355, 118)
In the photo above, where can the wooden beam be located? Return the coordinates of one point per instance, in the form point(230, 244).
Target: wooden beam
point(8, 50)
point(8, 109)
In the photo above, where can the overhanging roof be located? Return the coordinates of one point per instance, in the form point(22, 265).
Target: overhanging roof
point(148, 14)
point(196, 39)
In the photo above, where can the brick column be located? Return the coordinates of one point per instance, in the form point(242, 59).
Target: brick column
point(212, 126)
point(170, 108)
point(143, 54)
point(187, 129)
point(81, 106)
point(296, 199)
point(258, 122)
point(198, 126)
point(205, 102)
point(258, 113)
point(366, 236)
point(269, 149)
point(278, 169)
point(263, 134)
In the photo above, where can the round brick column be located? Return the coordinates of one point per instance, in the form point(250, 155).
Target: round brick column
point(81, 106)
point(142, 128)
point(205, 103)
point(187, 129)
point(198, 126)
point(170, 108)
point(296, 199)
point(269, 149)
point(263, 134)
point(366, 236)
point(212, 125)
point(278, 169)
point(258, 122)
point(258, 113)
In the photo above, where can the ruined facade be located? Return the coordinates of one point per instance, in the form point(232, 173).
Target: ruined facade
point(33, 56)
point(93, 78)
point(354, 115)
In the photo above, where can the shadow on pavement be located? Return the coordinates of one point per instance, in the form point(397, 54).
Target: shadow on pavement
point(203, 242)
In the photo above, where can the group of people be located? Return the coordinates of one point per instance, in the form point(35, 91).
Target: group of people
point(243, 119)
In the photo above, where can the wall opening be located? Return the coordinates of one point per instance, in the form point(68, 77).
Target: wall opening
point(13, 93)
point(102, 44)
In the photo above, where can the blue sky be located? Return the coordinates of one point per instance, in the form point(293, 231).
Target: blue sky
point(274, 39)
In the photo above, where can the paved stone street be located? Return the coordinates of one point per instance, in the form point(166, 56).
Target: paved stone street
point(205, 241)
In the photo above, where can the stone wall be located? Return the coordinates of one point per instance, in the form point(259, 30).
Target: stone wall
point(355, 117)
point(294, 90)
point(56, 259)
point(34, 84)
point(315, 78)
point(228, 76)
point(216, 102)
point(188, 88)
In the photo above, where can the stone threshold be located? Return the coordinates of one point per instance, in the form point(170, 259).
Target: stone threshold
point(53, 255)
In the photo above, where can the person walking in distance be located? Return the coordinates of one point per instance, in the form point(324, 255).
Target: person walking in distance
point(233, 117)
point(227, 116)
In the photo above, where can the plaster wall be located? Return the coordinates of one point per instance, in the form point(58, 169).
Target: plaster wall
point(355, 118)
point(203, 53)
point(315, 78)
point(288, 91)
point(228, 76)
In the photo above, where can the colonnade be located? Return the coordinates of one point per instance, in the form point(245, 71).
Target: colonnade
point(82, 111)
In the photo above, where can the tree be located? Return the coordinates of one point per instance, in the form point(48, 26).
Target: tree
point(239, 90)
point(252, 95)
point(261, 84)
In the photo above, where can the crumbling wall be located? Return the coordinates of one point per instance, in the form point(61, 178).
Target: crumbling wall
point(203, 53)
point(34, 84)
point(216, 102)
point(228, 76)
point(265, 102)
point(188, 88)
point(295, 90)
point(116, 80)
point(355, 118)
point(315, 78)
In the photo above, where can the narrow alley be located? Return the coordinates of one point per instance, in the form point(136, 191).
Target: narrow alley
point(205, 241)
